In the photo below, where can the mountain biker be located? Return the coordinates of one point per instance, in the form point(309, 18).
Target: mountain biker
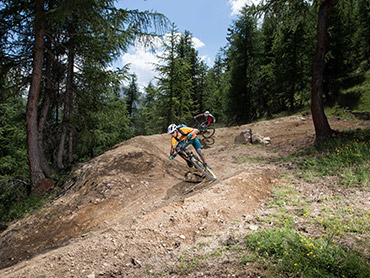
point(209, 119)
point(182, 136)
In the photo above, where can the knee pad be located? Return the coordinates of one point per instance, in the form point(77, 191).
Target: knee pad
point(200, 152)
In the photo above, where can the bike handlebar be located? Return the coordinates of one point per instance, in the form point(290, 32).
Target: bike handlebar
point(182, 147)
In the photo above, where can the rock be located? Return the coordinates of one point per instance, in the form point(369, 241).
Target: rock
point(44, 186)
point(135, 262)
point(245, 137)
point(266, 140)
point(231, 241)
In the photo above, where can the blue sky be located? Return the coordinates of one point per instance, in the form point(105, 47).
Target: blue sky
point(206, 20)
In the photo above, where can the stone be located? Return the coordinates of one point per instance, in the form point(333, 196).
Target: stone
point(245, 137)
point(43, 186)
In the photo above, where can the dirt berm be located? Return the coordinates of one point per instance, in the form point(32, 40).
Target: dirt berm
point(131, 211)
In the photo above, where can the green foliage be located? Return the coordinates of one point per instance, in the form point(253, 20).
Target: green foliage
point(102, 127)
point(150, 111)
point(93, 36)
point(179, 86)
point(290, 253)
point(216, 89)
point(13, 152)
point(359, 92)
point(244, 56)
point(361, 41)
point(15, 202)
point(291, 53)
point(132, 96)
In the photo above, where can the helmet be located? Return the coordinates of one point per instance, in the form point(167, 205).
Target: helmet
point(206, 113)
point(171, 128)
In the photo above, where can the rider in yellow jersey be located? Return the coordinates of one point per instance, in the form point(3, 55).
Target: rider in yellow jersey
point(179, 136)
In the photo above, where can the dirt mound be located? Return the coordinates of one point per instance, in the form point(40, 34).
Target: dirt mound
point(131, 209)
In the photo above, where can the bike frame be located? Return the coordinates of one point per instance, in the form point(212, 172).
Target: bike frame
point(198, 163)
point(207, 132)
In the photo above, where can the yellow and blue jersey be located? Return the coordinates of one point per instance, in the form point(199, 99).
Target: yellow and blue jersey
point(181, 137)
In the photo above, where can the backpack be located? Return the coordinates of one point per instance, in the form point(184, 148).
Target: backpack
point(178, 127)
point(181, 125)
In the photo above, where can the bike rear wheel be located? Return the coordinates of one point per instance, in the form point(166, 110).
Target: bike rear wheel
point(209, 132)
point(203, 169)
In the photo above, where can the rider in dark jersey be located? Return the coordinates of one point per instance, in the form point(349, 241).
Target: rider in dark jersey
point(209, 118)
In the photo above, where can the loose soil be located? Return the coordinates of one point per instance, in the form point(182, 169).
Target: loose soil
point(131, 212)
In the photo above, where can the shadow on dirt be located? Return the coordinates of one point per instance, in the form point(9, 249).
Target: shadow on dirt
point(193, 182)
point(207, 142)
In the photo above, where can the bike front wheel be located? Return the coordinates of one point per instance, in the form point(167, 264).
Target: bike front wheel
point(208, 132)
point(203, 169)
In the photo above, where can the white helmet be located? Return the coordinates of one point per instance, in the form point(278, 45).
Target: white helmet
point(171, 128)
point(206, 113)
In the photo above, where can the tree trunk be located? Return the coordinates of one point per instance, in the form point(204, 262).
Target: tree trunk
point(44, 111)
point(33, 152)
point(322, 128)
point(70, 105)
point(67, 112)
point(61, 147)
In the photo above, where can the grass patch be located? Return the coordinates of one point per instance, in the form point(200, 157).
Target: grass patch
point(343, 219)
point(284, 195)
point(346, 156)
point(244, 159)
point(290, 254)
point(192, 260)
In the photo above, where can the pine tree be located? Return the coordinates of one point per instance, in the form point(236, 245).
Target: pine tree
point(291, 52)
point(151, 111)
point(322, 128)
point(94, 32)
point(132, 96)
point(361, 41)
point(216, 88)
point(166, 80)
point(243, 60)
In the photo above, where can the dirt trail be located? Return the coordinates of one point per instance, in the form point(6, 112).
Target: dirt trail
point(131, 210)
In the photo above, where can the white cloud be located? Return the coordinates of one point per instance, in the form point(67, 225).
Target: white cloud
point(141, 63)
point(237, 5)
point(142, 60)
point(198, 43)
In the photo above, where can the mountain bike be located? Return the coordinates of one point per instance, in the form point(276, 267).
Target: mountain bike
point(206, 132)
point(196, 161)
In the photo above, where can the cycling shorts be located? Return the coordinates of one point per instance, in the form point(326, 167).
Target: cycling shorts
point(195, 142)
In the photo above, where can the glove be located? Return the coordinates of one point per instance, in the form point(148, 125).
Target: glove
point(189, 136)
point(171, 157)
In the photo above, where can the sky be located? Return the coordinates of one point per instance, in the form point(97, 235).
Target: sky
point(206, 20)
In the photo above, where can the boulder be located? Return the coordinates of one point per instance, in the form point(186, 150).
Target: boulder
point(246, 137)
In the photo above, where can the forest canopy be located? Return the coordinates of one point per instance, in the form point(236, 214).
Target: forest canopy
point(61, 104)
